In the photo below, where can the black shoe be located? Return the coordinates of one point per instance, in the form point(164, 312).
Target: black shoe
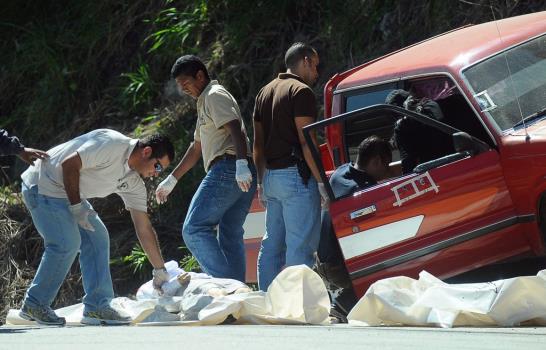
point(41, 314)
point(337, 316)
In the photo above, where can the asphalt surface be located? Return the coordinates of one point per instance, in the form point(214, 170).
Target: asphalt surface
point(237, 337)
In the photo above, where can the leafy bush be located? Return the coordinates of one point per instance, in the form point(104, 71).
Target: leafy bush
point(140, 88)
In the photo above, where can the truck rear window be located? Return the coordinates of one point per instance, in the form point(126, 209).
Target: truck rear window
point(368, 97)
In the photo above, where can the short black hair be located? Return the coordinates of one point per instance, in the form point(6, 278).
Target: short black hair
point(188, 65)
point(160, 145)
point(397, 97)
point(297, 52)
point(374, 146)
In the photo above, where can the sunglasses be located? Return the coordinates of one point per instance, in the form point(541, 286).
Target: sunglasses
point(158, 167)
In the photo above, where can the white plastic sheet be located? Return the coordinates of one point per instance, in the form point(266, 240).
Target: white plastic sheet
point(431, 302)
point(296, 296)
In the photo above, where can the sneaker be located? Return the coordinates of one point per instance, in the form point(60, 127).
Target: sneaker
point(42, 315)
point(105, 316)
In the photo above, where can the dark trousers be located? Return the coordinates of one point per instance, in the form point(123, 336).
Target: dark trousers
point(332, 268)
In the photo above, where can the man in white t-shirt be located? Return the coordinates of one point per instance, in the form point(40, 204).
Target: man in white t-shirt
point(213, 228)
point(55, 191)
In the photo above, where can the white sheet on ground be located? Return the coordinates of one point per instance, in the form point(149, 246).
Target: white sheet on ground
point(430, 302)
point(296, 296)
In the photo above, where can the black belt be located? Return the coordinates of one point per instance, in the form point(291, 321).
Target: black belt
point(227, 156)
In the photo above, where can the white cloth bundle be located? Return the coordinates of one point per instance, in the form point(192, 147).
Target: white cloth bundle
point(430, 302)
point(296, 296)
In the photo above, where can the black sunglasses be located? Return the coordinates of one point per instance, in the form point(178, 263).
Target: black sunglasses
point(158, 167)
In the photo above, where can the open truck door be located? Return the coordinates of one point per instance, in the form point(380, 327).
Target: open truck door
point(448, 216)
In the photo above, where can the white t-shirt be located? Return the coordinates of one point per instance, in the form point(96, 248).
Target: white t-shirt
point(104, 154)
point(215, 108)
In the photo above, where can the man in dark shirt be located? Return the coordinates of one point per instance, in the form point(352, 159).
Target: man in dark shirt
point(372, 165)
point(292, 187)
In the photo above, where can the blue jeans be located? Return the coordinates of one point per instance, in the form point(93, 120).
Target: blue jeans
point(213, 229)
point(63, 239)
point(292, 223)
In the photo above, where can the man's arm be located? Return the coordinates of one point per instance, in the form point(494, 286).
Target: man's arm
point(147, 238)
point(193, 154)
point(12, 145)
point(191, 157)
point(71, 177)
point(237, 137)
point(150, 244)
point(258, 150)
point(301, 122)
point(243, 176)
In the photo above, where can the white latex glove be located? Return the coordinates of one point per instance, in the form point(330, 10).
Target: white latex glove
point(161, 276)
point(261, 197)
point(325, 200)
point(81, 215)
point(243, 175)
point(165, 188)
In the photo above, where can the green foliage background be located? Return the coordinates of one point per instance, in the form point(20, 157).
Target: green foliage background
point(67, 67)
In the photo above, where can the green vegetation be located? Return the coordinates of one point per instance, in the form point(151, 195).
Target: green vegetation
point(189, 262)
point(67, 67)
point(137, 260)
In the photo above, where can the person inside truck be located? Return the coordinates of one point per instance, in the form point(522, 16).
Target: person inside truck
point(370, 167)
point(414, 138)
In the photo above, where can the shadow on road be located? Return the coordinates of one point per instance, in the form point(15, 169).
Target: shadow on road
point(9, 330)
point(504, 270)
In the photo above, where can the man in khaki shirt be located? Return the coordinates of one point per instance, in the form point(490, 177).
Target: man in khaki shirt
point(213, 228)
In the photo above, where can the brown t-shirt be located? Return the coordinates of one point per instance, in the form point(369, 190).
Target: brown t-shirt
point(277, 105)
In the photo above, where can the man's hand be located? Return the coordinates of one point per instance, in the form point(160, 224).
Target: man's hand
point(243, 175)
point(325, 200)
point(160, 276)
point(81, 215)
point(261, 197)
point(29, 155)
point(165, 188)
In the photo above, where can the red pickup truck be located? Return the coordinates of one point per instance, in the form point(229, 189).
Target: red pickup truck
point(480, 204)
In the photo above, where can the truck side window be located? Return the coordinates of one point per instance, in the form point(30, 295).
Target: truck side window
point(456, 111)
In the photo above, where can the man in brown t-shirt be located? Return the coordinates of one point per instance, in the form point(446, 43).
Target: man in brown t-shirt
point(292, 187)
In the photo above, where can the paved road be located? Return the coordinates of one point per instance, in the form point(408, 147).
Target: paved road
point(270, 337)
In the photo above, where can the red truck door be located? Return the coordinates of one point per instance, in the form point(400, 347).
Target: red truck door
point(453, 215)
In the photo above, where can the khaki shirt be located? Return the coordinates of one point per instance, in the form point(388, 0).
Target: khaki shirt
point(215, 108)
point(104, 154)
